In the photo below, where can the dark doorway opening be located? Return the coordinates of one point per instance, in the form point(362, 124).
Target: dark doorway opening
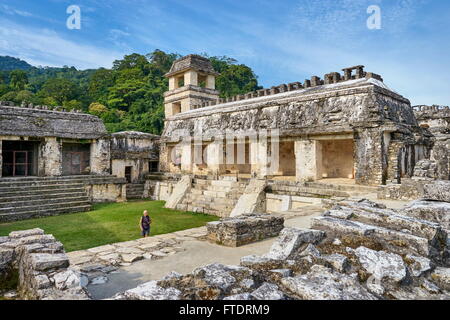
point(76, 158)
point(153, 166)
point(19, 158)
point(128, 173)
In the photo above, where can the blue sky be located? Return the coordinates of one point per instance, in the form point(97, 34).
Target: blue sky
point(283, 41)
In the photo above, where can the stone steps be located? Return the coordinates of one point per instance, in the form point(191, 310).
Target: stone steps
point(37, 202)
point(42, 213)
point(45, 206)
point(342, 187)
point(39, 187)
point(38, 192)
point(135, 191)
point(63, 180)
point(22, 198)
point(217, 197)
point(38, 196)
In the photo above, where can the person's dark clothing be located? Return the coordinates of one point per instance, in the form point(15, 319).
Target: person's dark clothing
point(145, 222)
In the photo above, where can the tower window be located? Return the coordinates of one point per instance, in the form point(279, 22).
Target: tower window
point(176, 108)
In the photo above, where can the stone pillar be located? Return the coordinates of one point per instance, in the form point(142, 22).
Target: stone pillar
point(258, 156)
point(191, 78)
point(214, 156)
point(52, 157)
point(186, 156)
point(172, 83)
point(210, 82)
point(369, 154)
point(100, 157)
point(307, 157)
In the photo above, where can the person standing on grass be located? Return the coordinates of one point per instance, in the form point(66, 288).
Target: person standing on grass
point(145, 224)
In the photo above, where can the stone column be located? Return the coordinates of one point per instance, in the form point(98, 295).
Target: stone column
point(186, 156)
point(191, 78)
point(172, 81)
point(214, 156)
point(369, 155)
point(100, 157)
point(52, 157)
point(307, 156)
point(210, 82)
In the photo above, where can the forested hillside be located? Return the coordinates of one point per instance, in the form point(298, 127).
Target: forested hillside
point(129, 96)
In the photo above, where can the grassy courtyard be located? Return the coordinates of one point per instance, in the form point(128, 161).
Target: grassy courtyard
point(109, 223)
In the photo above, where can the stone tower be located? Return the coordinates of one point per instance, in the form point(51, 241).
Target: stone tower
point(192, 81)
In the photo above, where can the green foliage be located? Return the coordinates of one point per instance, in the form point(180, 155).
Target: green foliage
point(130, 96)
point(62, 90)
point(18, 79)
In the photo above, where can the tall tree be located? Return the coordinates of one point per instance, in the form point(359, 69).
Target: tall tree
point(18, 79)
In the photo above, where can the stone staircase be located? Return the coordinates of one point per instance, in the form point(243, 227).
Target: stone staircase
point(31, 197)
point(319, 189)
point(217, 197)
point(135, 191)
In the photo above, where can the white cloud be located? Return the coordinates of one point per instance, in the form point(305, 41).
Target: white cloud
point(50, 48)
point(12, 11)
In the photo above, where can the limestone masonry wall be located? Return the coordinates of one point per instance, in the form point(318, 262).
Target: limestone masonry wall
point(42, 264)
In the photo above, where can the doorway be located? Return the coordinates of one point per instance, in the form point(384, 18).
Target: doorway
point(128, 174)
point(76, 158)
point(19, 158)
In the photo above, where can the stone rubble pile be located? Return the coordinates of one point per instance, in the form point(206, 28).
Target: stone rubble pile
point(42, 265)
point(244, 229)
point(357, 250)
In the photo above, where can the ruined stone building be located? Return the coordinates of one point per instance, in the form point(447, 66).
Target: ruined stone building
point(57, 161)
point(270, 150)
point(348, 126)
point(293, 142)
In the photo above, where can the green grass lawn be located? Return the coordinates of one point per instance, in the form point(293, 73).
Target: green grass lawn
point(109, 223)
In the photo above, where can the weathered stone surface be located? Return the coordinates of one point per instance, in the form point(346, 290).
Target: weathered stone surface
point(45, 261)
point(172, 275)
point(241, 296)
point(179, 192)
point(42, 267)
point(66, 279)
point(418, 265)
point(106, 248)
point(338, 261)
point(99, 280)
point(244, 229)
point(129, 258)
point(292, 241)
point(323, 284)
point(6, 257)
point(252, 200)
point(221, 276)
point(149, 291)
point(441, 276)
point(437, 191)
point(429, 210)
point(268, 291)
point(26, 233)
point(382, 265)
point(261, 263)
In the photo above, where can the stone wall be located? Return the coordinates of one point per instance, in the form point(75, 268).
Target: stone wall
point(43, 267)
point(363, 109)
point(242, 230)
